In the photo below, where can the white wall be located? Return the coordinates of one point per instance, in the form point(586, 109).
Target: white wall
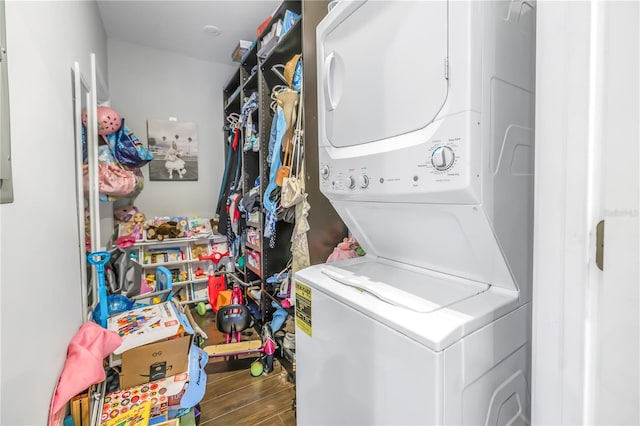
point(40, 305)
point(148, 83)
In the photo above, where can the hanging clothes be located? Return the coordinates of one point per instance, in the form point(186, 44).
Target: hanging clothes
point(232, 186)
point(225, 174)
point(246, 114)
point(299, 241)
point(276, 161)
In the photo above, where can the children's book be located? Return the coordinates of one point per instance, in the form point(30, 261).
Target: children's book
point(137, 415)
point(159, 396)
point(144, 325)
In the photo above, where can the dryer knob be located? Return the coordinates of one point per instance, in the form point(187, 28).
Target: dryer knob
point(363, 181)
point(442, 158)
point(351, 182)
point(325, 172)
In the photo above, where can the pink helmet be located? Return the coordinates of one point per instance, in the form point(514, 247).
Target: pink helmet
point(109, 121)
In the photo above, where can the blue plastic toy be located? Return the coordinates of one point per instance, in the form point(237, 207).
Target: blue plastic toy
point(99, 259)
point(116, 303)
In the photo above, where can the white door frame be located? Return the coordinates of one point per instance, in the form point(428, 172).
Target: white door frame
point(586, 171)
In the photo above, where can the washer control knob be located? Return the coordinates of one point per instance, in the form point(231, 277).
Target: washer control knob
point(442, 158)
point(325, 172)
point(363, 181)
point(351, 182)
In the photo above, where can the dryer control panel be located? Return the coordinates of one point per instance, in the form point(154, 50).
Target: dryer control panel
point(433, 164)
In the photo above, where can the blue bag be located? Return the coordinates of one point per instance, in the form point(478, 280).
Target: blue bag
point(127, 148)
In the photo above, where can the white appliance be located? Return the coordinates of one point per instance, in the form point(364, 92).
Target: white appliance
point(426, 152)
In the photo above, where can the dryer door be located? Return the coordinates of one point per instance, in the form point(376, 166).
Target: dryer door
point(381, 69)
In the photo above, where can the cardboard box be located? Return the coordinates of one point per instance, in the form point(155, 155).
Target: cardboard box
point(154, 343)
point(242, 48)
point(155, 361)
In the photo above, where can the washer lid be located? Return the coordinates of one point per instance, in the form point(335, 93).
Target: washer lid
point(432, 308)
point(381, 69)
point(403, 288)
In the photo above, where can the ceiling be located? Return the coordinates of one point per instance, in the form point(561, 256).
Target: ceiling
point(177, 25)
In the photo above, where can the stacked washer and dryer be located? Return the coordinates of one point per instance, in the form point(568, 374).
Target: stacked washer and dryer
point(426, 147)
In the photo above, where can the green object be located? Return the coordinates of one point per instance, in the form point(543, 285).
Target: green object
point(241, 262)
point(188, 419)
point(256, 368)
point(201, 308)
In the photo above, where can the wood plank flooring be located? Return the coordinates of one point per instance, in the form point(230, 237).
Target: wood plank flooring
point(234, 397)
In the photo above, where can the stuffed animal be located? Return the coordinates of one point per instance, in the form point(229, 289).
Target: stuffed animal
point(198, 251)
point(125, 213)
point(165, 230)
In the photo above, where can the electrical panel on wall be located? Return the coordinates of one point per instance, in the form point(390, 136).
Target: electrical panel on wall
point(6, 178)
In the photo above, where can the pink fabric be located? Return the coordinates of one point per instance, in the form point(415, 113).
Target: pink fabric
point(342, 251)
point(83, 367)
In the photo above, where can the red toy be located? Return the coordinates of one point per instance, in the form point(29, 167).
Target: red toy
point(216, 283)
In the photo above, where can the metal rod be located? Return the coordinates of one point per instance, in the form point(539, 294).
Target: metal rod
point(150, 295)
point(241, 282)
point(96, 400)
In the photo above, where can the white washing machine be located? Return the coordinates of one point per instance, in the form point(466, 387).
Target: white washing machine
point(426, 153)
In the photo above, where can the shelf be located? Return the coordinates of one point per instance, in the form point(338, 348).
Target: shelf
point(179, 241)
point(287, 46)
point(233, 102)
point(254, 270)
point(232, 83)
point(249, 59)
point(292, 5)
point(168, 264)
point(275, 299)
point(286, 364)
point(196, 301)
point(253, 246)
point(252, 83)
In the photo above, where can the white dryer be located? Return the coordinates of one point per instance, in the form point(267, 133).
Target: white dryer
point(426, 152)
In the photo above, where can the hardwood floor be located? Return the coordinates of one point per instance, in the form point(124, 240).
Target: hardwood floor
point(234, 397)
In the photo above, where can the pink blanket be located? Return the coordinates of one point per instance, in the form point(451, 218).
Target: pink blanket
point(83, 367)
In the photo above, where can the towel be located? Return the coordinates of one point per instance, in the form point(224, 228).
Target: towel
point(83, 367)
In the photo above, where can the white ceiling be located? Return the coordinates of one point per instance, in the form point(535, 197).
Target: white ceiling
point(177, 25)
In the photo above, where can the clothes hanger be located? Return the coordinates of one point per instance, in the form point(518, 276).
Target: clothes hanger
point(276, 69)
point(274, 96)
point(234, 121)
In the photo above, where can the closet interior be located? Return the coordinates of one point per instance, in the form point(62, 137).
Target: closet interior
point(231, 272)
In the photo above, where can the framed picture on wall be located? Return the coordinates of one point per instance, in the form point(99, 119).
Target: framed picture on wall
point(174, 145)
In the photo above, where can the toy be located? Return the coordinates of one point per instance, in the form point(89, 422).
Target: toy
point(256, 368)
point(137, 225)
point(164, 230)
point(344, 250)
point(116, 303)
point(199, 227)
point(99, 259)
point(198, 250)
point(125, 214)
